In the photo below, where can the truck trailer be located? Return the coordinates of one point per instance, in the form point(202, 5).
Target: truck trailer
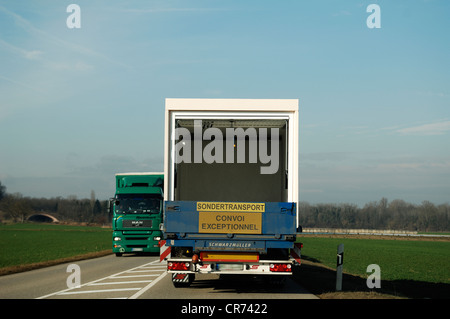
point(137, 211)
point(231, 187)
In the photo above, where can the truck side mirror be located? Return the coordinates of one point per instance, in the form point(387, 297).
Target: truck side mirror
point(110, 206)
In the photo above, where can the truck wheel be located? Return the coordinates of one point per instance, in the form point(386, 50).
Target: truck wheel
point(119, 254)
point(182, 280)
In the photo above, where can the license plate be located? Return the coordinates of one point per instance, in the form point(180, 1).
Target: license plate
point(137, 249)
point(229, 267)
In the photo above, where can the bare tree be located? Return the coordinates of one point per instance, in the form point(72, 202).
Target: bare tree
point(17, 207)
point(2, 191)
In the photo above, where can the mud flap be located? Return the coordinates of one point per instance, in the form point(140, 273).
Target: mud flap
point(182, 280)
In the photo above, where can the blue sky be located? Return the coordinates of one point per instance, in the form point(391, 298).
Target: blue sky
point(79, 105)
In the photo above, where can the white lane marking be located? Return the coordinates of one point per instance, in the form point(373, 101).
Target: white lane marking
point(148, 270)
point(120, 282)
point(96, 291)
point(154, 282)
point(71, 291)
point(136, 276)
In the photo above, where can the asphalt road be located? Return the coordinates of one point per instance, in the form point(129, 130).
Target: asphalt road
point(134, 277)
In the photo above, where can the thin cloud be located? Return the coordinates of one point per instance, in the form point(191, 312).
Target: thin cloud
point(20, 83)
point(108, 165)
point(396, 166)
point(31, 29)
point(29, 55)
point(438, 128)
point(169, 10)
point(428, 167)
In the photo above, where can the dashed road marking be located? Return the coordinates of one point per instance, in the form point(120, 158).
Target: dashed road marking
point(150, 274)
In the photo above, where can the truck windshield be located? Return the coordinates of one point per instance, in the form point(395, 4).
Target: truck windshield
point(137, 204)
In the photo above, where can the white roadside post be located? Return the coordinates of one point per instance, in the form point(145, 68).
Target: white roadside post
point(339, 263)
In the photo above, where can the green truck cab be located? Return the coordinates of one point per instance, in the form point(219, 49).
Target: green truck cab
point(137, 212)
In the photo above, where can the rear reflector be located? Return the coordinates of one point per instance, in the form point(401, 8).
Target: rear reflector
point(280, 267)
point(229, 256)
point(178, 265)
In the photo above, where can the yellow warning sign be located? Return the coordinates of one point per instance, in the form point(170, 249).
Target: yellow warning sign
point(231, 207)
point(227, 222)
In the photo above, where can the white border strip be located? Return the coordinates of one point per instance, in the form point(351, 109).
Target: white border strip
point(154, 282)
point(68, 290)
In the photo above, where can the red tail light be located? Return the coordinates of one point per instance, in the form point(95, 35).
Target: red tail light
point(178, 265)
point(280, 267)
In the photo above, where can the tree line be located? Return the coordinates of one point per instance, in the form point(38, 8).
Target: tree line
point(17, 208)
point(382, 215)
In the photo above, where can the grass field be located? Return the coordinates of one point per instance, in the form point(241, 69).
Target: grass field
point(398, 259)
point(25, 244)
point(409, 268)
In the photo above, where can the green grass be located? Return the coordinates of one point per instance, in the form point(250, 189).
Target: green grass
point(416, 260)
point(22, 244)
point(427, 261)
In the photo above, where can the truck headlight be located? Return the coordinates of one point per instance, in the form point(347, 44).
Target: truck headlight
point(117, 238)
point(157, 238)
